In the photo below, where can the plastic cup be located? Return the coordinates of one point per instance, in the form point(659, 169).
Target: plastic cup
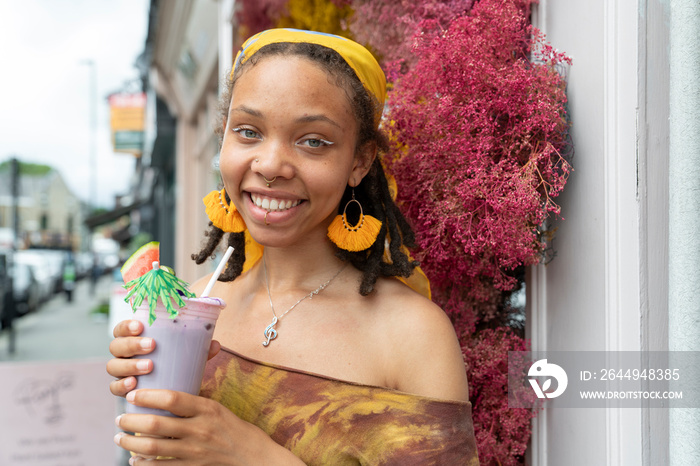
point(181, 347)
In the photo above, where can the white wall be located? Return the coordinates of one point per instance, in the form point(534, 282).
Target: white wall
point(684, 212)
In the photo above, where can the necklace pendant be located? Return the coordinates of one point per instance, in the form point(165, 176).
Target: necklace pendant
point(270, 332)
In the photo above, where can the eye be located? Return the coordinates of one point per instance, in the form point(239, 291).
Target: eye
point(247, 133)
point(316, 142)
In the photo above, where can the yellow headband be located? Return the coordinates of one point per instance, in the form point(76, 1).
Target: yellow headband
point(359, 58)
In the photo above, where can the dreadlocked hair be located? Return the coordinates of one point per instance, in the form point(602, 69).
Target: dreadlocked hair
point(237, 240)
point(375, 198)
point(372, 192)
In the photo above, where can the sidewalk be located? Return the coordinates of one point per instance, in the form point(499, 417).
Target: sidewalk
point(70, 344)
point(63, 331)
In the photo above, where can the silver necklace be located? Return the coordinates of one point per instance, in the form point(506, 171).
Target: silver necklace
point(270, 331)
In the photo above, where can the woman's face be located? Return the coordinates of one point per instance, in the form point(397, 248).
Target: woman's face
point(289, 122)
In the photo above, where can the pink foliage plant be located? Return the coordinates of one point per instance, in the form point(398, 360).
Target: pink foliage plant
point(257, 15)
point(502, 433)
point(390, 26)
point(477, 130)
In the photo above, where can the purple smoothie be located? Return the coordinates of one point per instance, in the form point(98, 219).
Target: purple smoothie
point(182, 346)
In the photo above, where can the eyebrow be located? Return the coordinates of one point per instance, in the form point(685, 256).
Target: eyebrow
point(304, 119)
point(248, 110)
point(312, 118)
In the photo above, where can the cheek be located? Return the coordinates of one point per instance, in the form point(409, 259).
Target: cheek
point(229, 164)
point(332, 187)
point(224, 163)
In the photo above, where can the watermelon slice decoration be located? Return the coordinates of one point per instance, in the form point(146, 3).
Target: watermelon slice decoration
point(141, 261)
point(149, 281)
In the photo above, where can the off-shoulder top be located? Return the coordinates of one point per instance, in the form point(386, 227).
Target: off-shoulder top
point(326, 421)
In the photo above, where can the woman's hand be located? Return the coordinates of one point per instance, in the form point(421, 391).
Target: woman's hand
point(206, 433)
point(126, 344)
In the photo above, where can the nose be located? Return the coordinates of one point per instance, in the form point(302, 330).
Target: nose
point(274, 161)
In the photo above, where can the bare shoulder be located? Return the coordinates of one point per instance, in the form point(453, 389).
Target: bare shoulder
point(198, 286)
point(220, 289)
point(426, 358)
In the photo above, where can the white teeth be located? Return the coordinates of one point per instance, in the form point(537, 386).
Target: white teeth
point(273, 204)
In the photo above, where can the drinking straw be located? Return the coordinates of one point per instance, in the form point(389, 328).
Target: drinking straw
point(217, 272)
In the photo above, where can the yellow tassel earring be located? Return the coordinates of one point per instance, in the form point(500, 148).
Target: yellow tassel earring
point(354, 238)
point(223, 215)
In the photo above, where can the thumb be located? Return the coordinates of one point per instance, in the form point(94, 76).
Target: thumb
point(214, 349)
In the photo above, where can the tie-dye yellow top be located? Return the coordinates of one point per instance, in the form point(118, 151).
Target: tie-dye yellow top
point(326, 421)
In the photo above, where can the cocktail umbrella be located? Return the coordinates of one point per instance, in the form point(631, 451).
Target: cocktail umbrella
point(157, 282)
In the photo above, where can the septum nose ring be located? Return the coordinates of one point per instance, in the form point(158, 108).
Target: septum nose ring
point(267, 182)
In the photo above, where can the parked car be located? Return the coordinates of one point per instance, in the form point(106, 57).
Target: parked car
point(54, 260)
point(43, 272)
point(26, 292)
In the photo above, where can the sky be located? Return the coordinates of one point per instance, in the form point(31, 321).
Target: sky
point(45, 87)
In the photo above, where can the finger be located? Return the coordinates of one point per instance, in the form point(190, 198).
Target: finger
point(126, 367)
point(147, 446)
point(126, 347)
point(179, 403)
point(151, 425)
point(214, 349)
point(127, 328)
point(122, 386)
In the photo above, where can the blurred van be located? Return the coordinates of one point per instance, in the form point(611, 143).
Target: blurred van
point(46, 274)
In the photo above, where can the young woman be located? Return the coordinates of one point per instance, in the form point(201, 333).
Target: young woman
point(322, 356)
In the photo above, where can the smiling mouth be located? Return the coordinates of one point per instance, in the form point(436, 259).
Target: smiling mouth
point(273, 205)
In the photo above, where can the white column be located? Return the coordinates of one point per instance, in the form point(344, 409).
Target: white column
point(653, 195)
point(684, 213)
point(226, 12)
point(622, 272)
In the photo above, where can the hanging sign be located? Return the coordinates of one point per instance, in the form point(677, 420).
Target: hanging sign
point(127, 121)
